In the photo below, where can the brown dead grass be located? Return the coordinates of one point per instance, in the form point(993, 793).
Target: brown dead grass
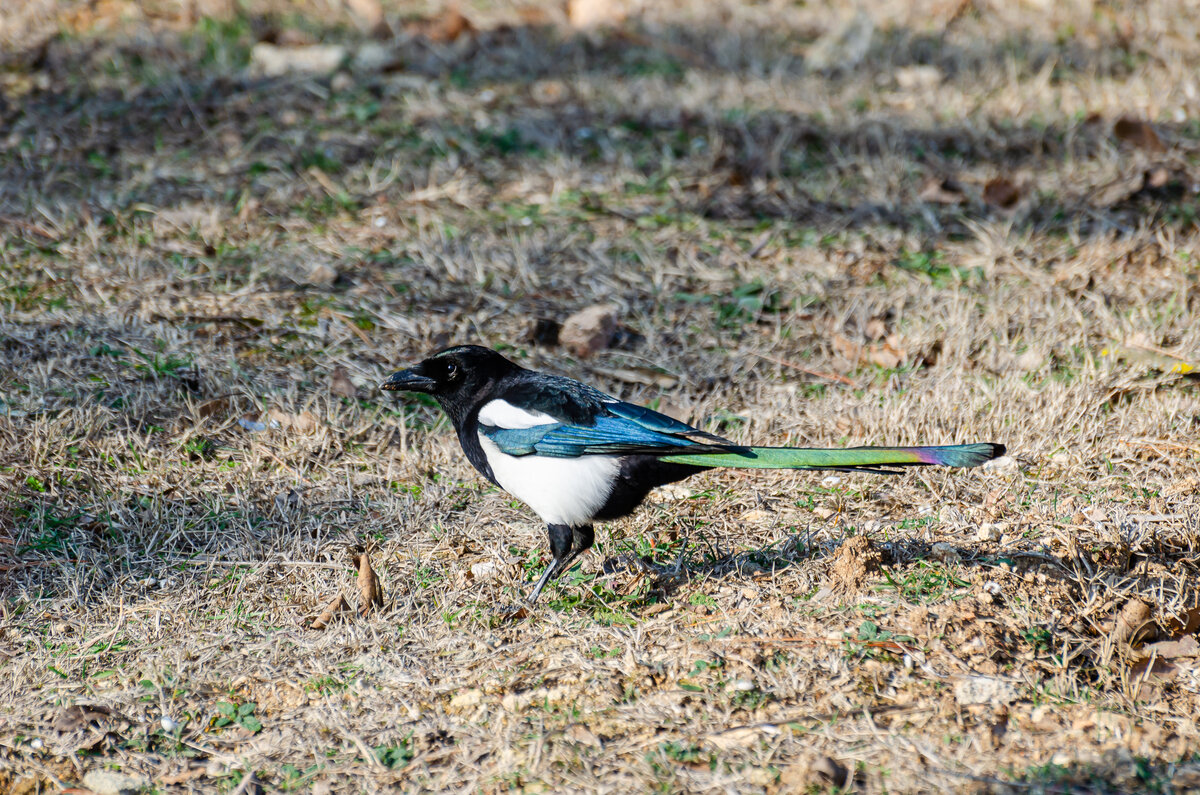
point(205, 276)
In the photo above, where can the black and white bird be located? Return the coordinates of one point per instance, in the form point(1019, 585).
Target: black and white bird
point(577, 456)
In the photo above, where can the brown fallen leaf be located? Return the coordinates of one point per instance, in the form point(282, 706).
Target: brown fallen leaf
point(370, 592)
point(847, 347)
point(584, 14)
point(304, 422)
point(1132, 623)
point(876, 329)
point(447, 28)
point(340, 383)
point(79, 715)
point(1136, 132)
point(332, 609)
point(1001, 192)
point(1187, 646)
point(216, 407)
point(369, 14)
point(888, 355)
point(1187, 623)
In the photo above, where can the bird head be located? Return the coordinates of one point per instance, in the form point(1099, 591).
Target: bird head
point(456, 377)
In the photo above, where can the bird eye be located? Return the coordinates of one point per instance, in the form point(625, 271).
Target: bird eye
point(451, 371)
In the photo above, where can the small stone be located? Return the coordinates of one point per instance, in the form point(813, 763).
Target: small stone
point(743, 685)
point(110, 782)
point(984, 690)
point(989, 531)
point(946, 553)
point(589, 330)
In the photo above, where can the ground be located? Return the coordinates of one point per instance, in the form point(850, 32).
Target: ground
point(935, 222)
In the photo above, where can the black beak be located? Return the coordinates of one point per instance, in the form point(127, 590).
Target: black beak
point(409, 381)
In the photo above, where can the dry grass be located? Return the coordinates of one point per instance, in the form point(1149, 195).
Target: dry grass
point(185, 248)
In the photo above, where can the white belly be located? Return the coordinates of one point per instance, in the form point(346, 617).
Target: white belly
point(560, 490)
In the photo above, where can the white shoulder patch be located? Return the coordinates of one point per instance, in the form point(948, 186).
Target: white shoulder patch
point(502, 414)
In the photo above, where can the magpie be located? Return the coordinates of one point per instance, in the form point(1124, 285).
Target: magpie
point(577, 456)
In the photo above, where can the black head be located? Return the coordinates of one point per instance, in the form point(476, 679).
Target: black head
point(457, 377)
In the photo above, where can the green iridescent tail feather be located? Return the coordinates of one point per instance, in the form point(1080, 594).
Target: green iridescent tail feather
point(867, 458)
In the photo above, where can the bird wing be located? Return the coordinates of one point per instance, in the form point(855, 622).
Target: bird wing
point(616, 428)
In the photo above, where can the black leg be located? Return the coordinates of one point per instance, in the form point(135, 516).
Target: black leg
point(561, 541)
point(582, 539)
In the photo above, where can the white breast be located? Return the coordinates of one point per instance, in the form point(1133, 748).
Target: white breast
point(560, 490)
point(502, 414)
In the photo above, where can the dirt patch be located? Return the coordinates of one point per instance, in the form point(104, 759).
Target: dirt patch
point(857, 560)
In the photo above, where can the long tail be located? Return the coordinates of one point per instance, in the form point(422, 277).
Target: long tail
point(871, 459)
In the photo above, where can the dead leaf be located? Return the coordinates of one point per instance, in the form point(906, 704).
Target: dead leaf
point(80, 715)
point(304, 422)
point(370, 592)
point(368, 13)
point(287, 502)
point(340, 383)
point(847, 348)
point(214, 407)
point(1136, 132)
point(889, 355)
point(1187, 646)
point(1186, 624)
point(447, 28)
point(332, 609)
point(1001, 192)
point(1133, 621)
point(876, 329)
point(942, 191)
point(585, 14)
